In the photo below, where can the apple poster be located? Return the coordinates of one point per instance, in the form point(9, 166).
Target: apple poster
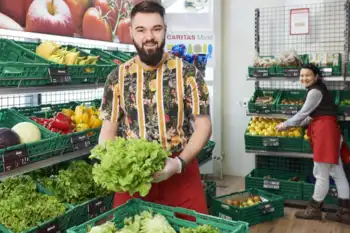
point(104, 20)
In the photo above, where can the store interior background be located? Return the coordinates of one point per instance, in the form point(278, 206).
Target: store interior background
point(237, 54)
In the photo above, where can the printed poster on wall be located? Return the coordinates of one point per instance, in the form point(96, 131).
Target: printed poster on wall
point(104, 20)
point(299, 21)
point(195, 43)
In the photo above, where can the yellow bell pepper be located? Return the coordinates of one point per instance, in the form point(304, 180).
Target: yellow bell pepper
point(85, 117)
point(79, 110)
point(82, 127)
point(68, 112)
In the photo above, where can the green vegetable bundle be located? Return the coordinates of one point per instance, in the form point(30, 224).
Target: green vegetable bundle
point(127, 165)
point(146, 222)
point(22, 207)
point(75, 184)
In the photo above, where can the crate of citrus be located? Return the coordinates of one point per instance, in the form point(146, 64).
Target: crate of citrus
point(262, 135)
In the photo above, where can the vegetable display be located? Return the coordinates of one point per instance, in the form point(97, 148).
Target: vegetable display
point(27, 132)
point(260, 126)
point(250, 201)
point(264, 100)
point(75, 184)
point(146, 222)
point(127, 165)
point(68, 121)
point(22, 207)
point(292, 102)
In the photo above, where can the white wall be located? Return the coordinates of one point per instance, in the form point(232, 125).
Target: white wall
point(238, 53)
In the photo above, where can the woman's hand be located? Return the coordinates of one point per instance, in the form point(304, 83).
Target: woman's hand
point(281, 127)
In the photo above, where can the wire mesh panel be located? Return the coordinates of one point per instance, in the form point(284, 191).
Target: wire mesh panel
point(327, 24)
point(295, 85)
point(67, 96)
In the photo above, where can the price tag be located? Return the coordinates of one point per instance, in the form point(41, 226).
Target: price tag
point(51, 227)
point(271, 184)
point(15, 158)
point(291, 72)
point(347, 111)
point(266, 209)
point(333, 192)
point(223, 216)
point(59, 75)
point(264, 109)
point(80, 142)
point(290, 110)
point(270, 141)
point(326, 72)
point(261, 73)
point(96, 208)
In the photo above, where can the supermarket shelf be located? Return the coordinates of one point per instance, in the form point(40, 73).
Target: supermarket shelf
point(334, 79)
point(267, 115)
point(48, 88)
point(45, 163)
point(280, 154)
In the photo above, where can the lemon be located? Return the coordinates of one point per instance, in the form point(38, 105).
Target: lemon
point(297, 134)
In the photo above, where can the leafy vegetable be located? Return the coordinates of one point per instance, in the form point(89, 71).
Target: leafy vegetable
point(22, 207)
point(75, 184)
point(200, 229)
point(146, 222)
point(128, 165)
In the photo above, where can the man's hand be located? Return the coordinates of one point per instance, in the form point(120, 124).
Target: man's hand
point(172, 166)
point(281, 127)
point(108, 132)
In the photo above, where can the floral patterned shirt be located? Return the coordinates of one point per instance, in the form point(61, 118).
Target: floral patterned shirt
point(156, 104)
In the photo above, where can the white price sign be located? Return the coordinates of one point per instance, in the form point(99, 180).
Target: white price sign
point(299, 21)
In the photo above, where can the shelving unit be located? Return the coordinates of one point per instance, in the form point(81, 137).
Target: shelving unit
point(329, 33)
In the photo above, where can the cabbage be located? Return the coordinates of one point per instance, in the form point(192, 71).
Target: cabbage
point(8, 138)
point(27, 132)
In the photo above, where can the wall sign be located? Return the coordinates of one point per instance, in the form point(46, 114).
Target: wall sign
point(195, 42)
point(299, 21)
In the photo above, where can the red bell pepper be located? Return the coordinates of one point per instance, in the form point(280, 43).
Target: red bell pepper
point(61, 117)
point(61, 125)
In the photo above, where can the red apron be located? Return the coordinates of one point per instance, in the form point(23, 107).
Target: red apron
point(325, 135)
point(181, 190)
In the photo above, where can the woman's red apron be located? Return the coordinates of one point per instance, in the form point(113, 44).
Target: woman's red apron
point(181, 190)
point(325, 135)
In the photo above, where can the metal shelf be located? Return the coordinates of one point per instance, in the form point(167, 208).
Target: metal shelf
point(45, 163)
point(281, 154)
point(269, 115)
point(48, 88)
point(328, 79)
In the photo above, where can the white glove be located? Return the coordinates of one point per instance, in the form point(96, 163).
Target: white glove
point(172, 167)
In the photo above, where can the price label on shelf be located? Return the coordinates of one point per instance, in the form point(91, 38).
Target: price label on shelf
point(290, 110)
point(59, 75)
point(266, 209)
point(326, 72)
point(291, 72)
point(80, 141)
point(52, 227)
point(15, 158)
point(264, 109)
point(96, 208)
point(261, 73)
point(271, 141)
point(271, 184)
point(333, 192)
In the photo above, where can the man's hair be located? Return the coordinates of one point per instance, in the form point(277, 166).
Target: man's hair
point(148, 7)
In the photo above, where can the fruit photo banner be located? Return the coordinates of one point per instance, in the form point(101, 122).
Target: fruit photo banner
point(102, 20)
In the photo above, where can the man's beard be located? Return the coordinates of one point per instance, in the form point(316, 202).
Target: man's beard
point(153, 57)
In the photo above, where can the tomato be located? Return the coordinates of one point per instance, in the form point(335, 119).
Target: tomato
point(95, 27)
point(108, 7)
point(123, 31)
point(77, 9)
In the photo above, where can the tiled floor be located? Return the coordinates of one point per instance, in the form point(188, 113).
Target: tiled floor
point(287, 224)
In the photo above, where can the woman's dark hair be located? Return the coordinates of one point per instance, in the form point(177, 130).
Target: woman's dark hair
point(311, 67)
point(148, 7)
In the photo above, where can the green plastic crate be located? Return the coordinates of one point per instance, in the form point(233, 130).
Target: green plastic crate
point(271, 208)
point(282, 144)
point(117, 57)
point(263, 108)
point(59, 224)
point(210, 190)
point(295, 165)
point(123, 56)
point(80, 73)
point(290, 95)
point(308, 192)
point(21, 67)
point(279, 184)
point(37, 151)
point(344, 97)
point(257, 71)
point(136, 206)
point(206, 154)
point(63, 141)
